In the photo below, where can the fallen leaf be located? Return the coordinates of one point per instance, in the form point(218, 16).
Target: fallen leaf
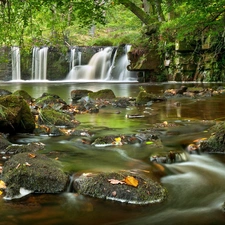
point(129, 180)
point(2, 185)
point(114, 181)
point(31, 155)
point(1, 192)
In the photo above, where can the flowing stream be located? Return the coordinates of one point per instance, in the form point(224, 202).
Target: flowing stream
point(196, 186)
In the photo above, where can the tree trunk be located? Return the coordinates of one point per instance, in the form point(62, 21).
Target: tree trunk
point(141, 14)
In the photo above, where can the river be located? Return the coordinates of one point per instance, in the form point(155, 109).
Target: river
point(196, 187)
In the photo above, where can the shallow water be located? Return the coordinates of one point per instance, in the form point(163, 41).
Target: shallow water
point(196, 187)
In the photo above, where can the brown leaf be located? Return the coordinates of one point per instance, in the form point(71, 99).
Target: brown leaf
point(129, 180)
point(31, 155)
point(114, 181)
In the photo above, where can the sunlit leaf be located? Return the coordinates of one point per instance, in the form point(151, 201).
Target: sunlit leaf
point(2, 185)
point(149, 142)
point(129, 180)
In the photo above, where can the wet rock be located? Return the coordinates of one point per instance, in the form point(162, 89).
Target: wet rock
point(216, 142)
point(4, 143)
point(30, 147)
point(145, 97)
point(147, 191)
point(36, 173)
point(24, 95)
point(4, 92)
point(169, 157)
point(123, 102)
point(51, 100)
point(102, 94)
point(76, 95)
point(15, 115)
point(48, 116)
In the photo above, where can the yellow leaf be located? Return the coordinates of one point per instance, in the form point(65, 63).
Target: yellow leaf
point(2, 185)
point(1, 192)
point(129, 180)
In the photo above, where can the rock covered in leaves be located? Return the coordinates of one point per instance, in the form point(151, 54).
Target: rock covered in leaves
point(122, 187)
point(34, 172)
point(15, 115)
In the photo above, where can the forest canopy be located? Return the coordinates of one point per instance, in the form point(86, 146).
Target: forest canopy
point(93, 22)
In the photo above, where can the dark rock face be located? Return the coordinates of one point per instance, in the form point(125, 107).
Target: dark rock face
point(34, 172)
point(15, 115)
point(101, 186)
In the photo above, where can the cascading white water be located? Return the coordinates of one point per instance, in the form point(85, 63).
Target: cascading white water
point(96, 69)
point(16, 71)
point(101, 66)
point(75, 58)
point(39, 63)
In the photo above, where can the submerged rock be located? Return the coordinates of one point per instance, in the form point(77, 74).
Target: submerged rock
point(112, 186)
point(34, 172)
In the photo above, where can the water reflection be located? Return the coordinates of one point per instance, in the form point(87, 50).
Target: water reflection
point(195, 187)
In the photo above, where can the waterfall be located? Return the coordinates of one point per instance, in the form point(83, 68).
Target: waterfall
point(75, 58)
point(39, 63)
point(101, 67)
point(16, 71)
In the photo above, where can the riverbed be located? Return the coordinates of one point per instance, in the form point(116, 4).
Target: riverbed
point(196, 186)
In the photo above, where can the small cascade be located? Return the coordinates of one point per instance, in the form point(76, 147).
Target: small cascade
point(16, 71)
point(39, 63)
point(101, 66)
point(119, 68)
point(75, 58)
point(96, 69)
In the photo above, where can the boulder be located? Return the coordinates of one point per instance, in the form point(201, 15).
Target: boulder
point(49, 116)
point(51, 100)
point(114, 186)
point(24, 94)
point(145, 97)
point(33, 172)
point(102, 94)
point(216, 142)
point(15, 115)
point(76, 95)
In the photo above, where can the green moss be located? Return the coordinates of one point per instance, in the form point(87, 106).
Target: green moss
point(102, 94)
point(39, 174)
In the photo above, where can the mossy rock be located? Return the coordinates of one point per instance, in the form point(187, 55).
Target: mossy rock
point(38, 174)
point(15, 115)
point(78, 94)
point(216, 142)
point(24, 94)
point(50, 100)
point(144, 97)
point(102, 94)
point(50, 116)
point(148, 191)
point(4, 143)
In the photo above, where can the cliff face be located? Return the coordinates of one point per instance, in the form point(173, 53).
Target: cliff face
point(182, 63)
